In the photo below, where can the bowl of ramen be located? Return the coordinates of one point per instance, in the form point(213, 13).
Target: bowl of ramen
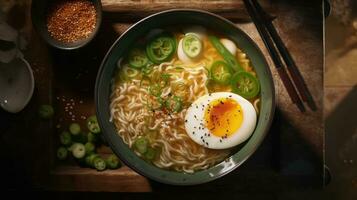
point(184, 97)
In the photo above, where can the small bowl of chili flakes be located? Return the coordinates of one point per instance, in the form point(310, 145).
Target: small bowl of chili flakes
point(67, 24)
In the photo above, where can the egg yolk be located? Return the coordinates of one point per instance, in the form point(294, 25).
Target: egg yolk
point(223, 117)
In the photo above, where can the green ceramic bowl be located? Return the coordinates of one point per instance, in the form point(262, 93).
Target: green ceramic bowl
point(172, 18)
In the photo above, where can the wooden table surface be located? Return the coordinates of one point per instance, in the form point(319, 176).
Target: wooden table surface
point(291, 153)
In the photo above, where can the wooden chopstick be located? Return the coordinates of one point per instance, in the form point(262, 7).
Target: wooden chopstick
point(285, 54)
point(274, 55)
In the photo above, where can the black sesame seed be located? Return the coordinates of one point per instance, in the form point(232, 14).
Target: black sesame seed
point(201, 137)
point(230, 96)
point(186, 120)
point(220, 140)
point(207, 143)
point(193, 132)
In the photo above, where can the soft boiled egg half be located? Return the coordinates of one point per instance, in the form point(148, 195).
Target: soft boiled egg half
point(220, 120)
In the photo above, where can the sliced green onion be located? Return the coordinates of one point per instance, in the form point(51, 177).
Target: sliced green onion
point(74, 128)
point(228, 57)
point(90, 147)
point(78, 150)
point(150, 154)
point(146, 70)
point(245, 84)
point(89, 160)
point(165, 77)
point(137, 58)
point(62, 153)
point(155, 90)
point(141, 145)
point(174, 104)
point(65, 138)
point(113, 162)
point(92, 124)
point(46, 111)
point(99, 164)
point(161, 48)
point(191, 45)
point(221, 72)
point(130, 72)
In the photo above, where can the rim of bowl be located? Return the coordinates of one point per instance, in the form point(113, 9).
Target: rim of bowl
point(32, 82)
point(45, 35)
point(252, 150)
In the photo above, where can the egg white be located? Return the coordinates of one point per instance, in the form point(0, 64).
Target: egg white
point(195, 118)
point(230, 45)
point(181, 54)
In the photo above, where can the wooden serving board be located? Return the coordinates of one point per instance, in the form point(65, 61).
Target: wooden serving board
point(135, 9)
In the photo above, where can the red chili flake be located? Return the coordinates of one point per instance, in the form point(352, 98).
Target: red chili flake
point(71, 20)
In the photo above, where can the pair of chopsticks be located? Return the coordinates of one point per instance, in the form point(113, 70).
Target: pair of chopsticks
point(294, 83)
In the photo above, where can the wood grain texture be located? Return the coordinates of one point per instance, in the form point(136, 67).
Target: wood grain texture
point(72, 178)
point(232, 9)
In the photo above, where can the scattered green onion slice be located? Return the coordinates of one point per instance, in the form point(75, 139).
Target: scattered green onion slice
point(147, 69)
point(155, 90)
point(78, 150)
point(228, 57)
point(62, 153)
point(89, 160)
point(99, 164)
point(137, 58)
point(65, 138)
point(92, 124)
point(150, 154)
point(161, 48)
point(113, 162)
point(174, 104)
point(89, 147)
point(165, 77)
point(221, 72)
point(74, 128)
point(245, 84)
point(46, 111)
point(130, 72)
point(141, 145)
point(191, 45)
